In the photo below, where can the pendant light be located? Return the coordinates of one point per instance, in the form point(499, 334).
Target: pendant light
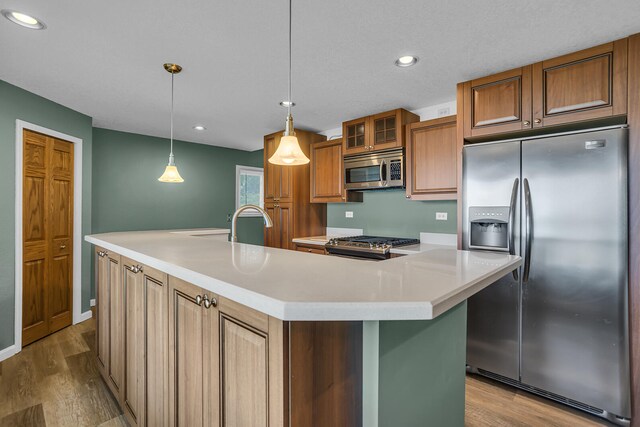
point(289, 152)
point(171, 171)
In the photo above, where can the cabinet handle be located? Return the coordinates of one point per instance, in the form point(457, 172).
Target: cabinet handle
point(199, 300)
point(408, 196)
point(526, 123)
point(209, 302)
point(100, 254)
point(134, 269)
point(537, 121)
point(63, 246)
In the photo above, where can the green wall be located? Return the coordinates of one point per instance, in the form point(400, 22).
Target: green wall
point(389, 213)
point(16, 103)
point(127, 195)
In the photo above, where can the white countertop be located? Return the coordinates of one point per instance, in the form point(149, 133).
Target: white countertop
point(292, 285)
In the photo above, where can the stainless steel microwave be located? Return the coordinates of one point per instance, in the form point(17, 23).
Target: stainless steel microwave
point(371, 171)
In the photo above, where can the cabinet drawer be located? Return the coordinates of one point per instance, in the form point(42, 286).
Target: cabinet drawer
point(312, 249)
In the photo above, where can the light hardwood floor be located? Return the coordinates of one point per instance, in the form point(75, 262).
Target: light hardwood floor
point(55, 382)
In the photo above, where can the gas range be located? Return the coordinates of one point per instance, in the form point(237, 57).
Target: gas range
point(370, 247)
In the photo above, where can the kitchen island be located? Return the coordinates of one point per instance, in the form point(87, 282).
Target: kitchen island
point(197, 331)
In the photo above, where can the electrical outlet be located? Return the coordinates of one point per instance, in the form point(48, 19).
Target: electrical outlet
point(228, 217)
point(348, 214)
point(441, 216)
point(444, 111)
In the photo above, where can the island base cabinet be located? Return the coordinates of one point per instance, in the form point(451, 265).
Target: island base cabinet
point(146, 339)
point(109, 320)
point(193, 357)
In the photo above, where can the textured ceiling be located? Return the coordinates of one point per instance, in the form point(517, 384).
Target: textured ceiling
point(104, 58)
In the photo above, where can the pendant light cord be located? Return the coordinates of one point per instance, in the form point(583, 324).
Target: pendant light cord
point(171, 152)
point(289, 106)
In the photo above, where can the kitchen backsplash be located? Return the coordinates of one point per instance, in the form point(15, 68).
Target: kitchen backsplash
point(389, 213)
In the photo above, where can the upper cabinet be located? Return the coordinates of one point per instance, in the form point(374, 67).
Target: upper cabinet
point(432, 160)
point(586, 85)
point(499, 103)
point(378, 132)
point(327, 174)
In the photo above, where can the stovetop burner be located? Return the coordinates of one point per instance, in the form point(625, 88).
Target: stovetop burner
point(366, 246)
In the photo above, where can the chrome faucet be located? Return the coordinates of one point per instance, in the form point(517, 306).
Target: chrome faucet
point(267, 219)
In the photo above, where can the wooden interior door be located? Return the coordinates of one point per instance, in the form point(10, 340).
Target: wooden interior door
point(47, 216)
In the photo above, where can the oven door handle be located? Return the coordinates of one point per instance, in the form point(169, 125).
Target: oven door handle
point(385, 182)
point(512, 222)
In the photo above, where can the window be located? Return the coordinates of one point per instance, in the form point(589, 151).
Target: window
point(249, 188)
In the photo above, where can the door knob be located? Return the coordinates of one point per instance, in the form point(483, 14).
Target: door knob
point(199, 300)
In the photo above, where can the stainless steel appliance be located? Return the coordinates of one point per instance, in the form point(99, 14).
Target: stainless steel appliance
point(369, 247)
point(558, 326)
point(368, 171)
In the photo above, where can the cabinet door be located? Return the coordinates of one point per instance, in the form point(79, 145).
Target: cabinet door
point(271, 171)
point(244, 363)
point(272, 234)
point(355, 134)
point(585, 85)
point(498, 103)
point(193, 358)
point(432, 160)
point(146, 342)
point(327, 172)
point(116, 325)
point(278, 180)
point(285, 214)
point(102, 311)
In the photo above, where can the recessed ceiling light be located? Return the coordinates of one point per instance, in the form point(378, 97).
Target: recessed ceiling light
point(406, 61)
point(286, 103)
point(23, 19)
point(199, 127)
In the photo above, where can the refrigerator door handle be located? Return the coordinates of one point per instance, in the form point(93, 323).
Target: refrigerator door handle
point(512, 222)
point(528, 230)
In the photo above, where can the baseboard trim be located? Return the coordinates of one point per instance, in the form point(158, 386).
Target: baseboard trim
point(85, 316)
point(92, 302)
point(8, 352)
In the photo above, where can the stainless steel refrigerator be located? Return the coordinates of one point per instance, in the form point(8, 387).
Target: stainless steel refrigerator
point(557, 326)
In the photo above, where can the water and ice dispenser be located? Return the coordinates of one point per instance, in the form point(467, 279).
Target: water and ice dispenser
point(489, 228)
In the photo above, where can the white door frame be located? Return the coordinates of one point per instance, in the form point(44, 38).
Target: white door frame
point(78, 316)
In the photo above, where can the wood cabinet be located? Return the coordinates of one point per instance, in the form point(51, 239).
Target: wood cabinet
point(220, 361)
point(193, 356)
point(311, 249)
point(110, 320)
point(287, 195)
point(327, 174)
point(188, 357)
point(498, 103)
point(146, 322)
point(586, 85)
point(431, 154)
point(378, 132)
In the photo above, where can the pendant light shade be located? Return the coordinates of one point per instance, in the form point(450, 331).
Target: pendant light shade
point(171, 173)
point(289, 152)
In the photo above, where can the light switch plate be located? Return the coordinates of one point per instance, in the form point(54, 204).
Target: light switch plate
point(348, 214)
point(441, 216)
